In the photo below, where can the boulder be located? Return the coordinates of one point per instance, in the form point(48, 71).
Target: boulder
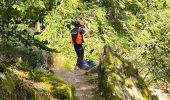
point(119, 79)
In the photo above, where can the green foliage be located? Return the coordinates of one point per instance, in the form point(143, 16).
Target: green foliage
point(141, 34)
point(17, 19)
point(57, 33)
point(29, 57)
point(138, 30)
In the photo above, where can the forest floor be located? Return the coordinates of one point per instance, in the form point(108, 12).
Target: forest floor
point(85, 90)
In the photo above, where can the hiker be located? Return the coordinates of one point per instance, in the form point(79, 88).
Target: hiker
point(77, 39)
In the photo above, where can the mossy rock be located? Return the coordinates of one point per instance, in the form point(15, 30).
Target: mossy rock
point(121, 80)
point(14, 86)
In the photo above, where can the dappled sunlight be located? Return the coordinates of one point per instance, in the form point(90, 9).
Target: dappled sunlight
point(85, 88)
point(126, 41)
point(21, 74)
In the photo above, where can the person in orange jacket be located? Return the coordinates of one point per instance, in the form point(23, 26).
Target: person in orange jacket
point(77, 39)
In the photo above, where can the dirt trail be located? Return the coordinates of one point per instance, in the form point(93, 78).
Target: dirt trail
point(85, 90)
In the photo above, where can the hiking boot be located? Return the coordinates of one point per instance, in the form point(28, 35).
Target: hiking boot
point(85, 66)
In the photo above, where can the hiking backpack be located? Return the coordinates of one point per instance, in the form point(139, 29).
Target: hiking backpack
point(76, 36)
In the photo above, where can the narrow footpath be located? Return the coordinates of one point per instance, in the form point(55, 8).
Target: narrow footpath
point(85, 90)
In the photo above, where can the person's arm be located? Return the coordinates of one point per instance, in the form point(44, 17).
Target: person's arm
point(82, 32)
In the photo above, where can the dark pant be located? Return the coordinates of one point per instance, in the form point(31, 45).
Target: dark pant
point(80, 54)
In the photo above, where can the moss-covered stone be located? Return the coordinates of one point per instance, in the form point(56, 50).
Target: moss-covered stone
point(14, 88)
point(120, 80)
point(32, 85)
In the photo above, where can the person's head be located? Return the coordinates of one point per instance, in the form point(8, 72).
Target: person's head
point(76, 23)
point(79, 23)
